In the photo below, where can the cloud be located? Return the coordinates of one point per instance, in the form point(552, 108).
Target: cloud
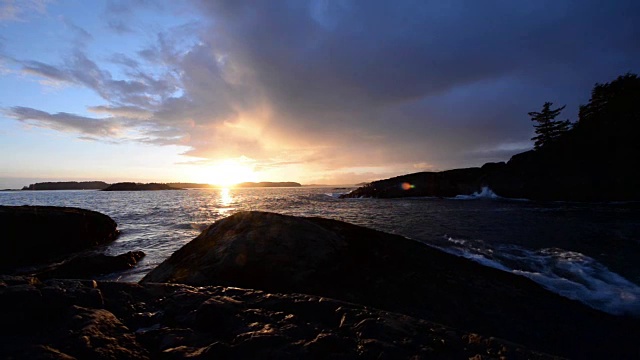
point(101, 128)
point(342, 84)
point(53, 73)
point(119, 26)
point(120, 15)
point(140, 89)
point(131, 112)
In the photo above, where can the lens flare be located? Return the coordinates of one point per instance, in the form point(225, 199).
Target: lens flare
point(407, 186)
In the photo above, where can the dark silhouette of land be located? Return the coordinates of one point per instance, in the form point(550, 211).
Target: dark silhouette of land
point(268, 184)
point(595, 160)
point(130, 186)
point(189, 185)
point(68, 185)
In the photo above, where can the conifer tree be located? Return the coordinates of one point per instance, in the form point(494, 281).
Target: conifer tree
point(547, 128)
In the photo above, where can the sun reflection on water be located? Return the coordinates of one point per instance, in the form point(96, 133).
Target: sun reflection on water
point(225, 200)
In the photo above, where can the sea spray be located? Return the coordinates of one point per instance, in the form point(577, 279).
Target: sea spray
point(484, 193)
point(567, 273)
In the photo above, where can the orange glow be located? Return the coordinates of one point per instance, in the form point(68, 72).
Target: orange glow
point(228, 173)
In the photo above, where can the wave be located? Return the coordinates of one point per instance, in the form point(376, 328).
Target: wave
point(336, 195)
point(484, 193)
point(567, 273)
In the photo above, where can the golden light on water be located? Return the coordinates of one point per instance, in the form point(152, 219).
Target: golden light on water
point(225, 197)
point(225, 201)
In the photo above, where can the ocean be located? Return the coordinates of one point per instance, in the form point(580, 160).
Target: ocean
point(587, 252)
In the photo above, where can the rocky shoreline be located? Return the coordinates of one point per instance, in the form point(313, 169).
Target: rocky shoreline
point(264, 285)
point(593, 161)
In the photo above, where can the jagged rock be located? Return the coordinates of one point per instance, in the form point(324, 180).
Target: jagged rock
point(33, 234)
point(240, 323)
point(330, 258)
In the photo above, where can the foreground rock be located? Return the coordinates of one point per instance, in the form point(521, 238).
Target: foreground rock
point(49, 242)
point(330, 258)
point(33, 234)
point(130, 186)
point(66, 319)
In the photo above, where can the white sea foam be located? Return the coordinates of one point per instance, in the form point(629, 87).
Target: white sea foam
point(484, 193)
point(567, 273)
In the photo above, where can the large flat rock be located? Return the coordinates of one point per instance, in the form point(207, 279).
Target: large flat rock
point(330, 258)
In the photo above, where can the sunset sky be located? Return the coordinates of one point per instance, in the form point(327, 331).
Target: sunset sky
point(330, 92)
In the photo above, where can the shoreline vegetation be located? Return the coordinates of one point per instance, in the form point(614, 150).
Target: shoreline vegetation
point(593, 159)
point(277, 286)
point(131, 186)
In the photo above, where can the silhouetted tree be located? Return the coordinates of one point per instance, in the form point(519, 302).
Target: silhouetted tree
point(547, 128)
point(613, 105)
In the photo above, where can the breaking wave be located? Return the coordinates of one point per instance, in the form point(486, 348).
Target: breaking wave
point(567, 273)
point(484, 193)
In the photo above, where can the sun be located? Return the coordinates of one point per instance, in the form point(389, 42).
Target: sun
point(230, 172)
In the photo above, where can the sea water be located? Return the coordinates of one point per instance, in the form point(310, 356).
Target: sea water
point(587, 252)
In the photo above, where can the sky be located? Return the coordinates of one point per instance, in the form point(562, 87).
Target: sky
point(318, 91)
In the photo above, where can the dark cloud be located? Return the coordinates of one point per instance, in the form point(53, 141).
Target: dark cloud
point(343, 84)
point(430, 80)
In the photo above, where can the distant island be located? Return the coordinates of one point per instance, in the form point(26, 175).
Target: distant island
point(594, 159)
point(182, 185)
point(130, 186)
point(68, 185)
point(268, 184)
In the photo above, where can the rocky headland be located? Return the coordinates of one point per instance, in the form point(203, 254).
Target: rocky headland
point(131, 186)
point(594, 161)
point(264, 285)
